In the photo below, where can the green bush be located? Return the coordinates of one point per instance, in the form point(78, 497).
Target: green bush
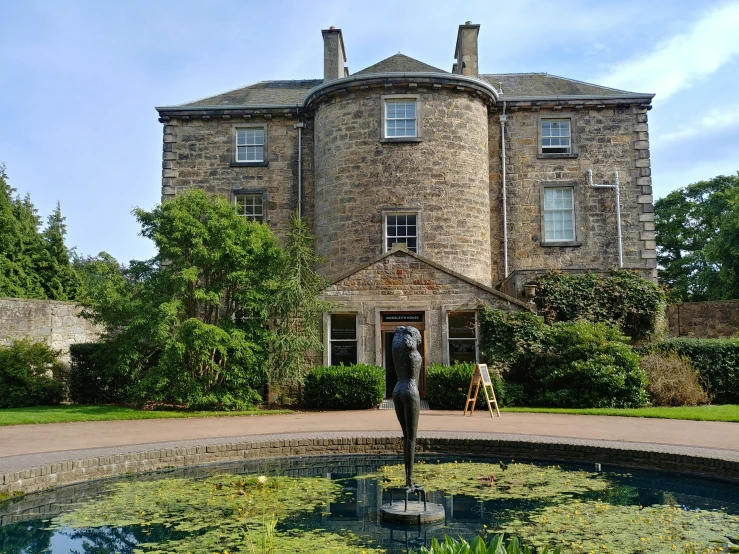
point(634, 304)
point(717, 360)
point(93, 378)
point(25, 379)
point(511, 338)
point(447, 386)
point(589, 365)
point(353, 387)
point(496, 545)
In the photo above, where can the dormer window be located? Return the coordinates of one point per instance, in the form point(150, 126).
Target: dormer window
point(400, 117)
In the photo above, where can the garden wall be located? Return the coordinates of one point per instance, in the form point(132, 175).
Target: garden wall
point(58, 324)
point(705, 320)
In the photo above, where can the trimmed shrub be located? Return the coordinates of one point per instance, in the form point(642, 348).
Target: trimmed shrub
point(589, 365)
point(341, 387)
point(634, 304)
point(717, 361)
point(447, 386)
point(673, 381)
point(30, 375)
point(92, 378)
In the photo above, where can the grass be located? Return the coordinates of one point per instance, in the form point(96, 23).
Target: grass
point(726, 412)
point(63, 414)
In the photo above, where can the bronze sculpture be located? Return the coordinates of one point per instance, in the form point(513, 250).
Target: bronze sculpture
point(406, 397)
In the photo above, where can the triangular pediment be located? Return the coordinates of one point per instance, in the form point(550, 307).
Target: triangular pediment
point(402, 274)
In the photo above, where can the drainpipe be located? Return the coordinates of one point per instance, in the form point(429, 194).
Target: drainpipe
point(503, 119)
point(618, 210)
point(299, 126)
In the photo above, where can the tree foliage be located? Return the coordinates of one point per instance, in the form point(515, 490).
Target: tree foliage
point(697, 230)
point(188, 325)
point(296, 309)
point(33, 263)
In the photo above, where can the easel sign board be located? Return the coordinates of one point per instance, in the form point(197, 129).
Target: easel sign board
point(481, 378)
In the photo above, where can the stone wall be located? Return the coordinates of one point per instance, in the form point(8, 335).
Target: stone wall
point(604, 139)
point(58, 324)
point(706, 320)
point(442, 175)
point(199, 154)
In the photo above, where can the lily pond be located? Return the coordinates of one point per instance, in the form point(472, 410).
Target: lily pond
point(331, 505)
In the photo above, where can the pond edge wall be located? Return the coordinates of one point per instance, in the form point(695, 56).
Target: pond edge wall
point(69, 468)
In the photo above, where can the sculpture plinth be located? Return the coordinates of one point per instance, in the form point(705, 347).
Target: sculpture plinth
point(407, 402)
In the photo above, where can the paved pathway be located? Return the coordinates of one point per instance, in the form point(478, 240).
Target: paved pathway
point(28, 444)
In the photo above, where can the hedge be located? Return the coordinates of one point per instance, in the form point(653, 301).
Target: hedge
point(447, 386)
point(30, 375)
point(717, 360)
point(353, 387)
point(92, 379)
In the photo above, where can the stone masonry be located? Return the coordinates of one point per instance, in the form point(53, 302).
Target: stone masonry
point(57, 324)
point(402, 279)
point(443, 176)
point(605, 139)
point(705, 320)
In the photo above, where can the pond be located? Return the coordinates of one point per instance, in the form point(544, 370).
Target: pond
point(330, 504)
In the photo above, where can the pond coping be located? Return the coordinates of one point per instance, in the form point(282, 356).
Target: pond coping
point(36, 472)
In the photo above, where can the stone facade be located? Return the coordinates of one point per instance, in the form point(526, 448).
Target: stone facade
point(57, 324)
point(400, 280)
point(327, 153)
point(705, 320)
point(443, 178)
point(605, 139)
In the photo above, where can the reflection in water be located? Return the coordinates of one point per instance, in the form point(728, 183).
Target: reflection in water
point(342, 514)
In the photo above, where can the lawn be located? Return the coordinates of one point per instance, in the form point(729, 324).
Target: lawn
point(726, 412)
point(61, 414)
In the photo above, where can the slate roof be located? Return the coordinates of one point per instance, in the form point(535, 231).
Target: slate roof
point(400, 63)
point(261, 93)
point(544, 84)
point(514, 85)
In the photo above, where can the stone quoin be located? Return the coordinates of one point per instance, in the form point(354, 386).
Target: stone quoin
point(429, 191)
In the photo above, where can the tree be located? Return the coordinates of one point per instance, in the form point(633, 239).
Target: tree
point(697, 228)
point(59, 278)
point(32, 264)
point(188, 325)
point(297, 309)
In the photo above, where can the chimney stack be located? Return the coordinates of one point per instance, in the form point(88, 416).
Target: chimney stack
point(466, 50)
point(334, 55)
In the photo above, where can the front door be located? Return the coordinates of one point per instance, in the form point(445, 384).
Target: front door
point(390, 321)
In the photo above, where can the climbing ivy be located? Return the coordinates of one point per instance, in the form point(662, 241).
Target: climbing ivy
point(621, 298)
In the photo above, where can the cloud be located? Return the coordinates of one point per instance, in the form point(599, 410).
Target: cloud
point(677, 62)
point(714, 121)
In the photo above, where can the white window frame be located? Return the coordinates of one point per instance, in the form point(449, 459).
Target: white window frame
point(242, 140)
point(396, 99)
point(558, 137)
point(258, 217)
point(558, 214)
point(387, 247)
point(450, 338)
point(354, 340)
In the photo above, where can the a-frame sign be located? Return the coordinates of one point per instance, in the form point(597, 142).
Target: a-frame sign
point(481, 378)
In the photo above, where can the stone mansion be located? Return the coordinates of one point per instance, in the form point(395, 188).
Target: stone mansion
point(430, 191)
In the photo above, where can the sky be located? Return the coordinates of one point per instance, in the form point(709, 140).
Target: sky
point(79, 80)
